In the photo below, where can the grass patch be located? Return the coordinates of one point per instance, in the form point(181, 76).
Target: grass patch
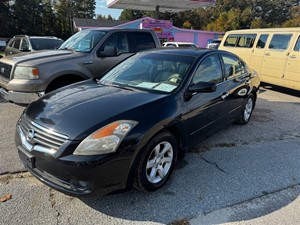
point(2, 53)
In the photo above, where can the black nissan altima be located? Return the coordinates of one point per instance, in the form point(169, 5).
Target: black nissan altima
point(130, 126)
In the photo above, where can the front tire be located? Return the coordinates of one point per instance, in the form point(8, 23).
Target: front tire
point(247, 110)
point(157, 162)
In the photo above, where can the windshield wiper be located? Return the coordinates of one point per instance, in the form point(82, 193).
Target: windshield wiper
point(121, 86)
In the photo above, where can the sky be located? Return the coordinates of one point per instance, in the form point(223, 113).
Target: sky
point(101, 8)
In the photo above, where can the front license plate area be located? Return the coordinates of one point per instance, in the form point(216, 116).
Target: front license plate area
point(27, 158)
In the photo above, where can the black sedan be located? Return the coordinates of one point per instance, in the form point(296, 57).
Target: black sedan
point(130, 126)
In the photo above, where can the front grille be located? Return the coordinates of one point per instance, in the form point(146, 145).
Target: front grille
point(42, 137)
point(5, 70)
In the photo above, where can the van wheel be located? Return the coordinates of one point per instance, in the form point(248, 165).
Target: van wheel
point(247, 111)
point(157, 162)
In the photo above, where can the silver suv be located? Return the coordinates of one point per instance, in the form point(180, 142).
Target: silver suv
point(25, 43)
point(88, 53)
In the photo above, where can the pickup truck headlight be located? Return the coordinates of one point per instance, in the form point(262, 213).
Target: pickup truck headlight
point(106, 139)
point(24, 72)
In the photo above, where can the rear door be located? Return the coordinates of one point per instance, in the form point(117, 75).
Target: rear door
point(258, 53)
point(275, 58)
point(292, 71)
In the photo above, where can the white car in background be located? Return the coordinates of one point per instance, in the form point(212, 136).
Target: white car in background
point(179, 44)
point(214, 44)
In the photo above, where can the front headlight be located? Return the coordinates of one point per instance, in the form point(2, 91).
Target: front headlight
point(24, 72)
point(106, 139)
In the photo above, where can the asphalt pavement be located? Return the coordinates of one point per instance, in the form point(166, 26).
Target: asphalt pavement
point(241, 175)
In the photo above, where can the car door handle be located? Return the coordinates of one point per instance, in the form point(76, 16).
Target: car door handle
point(225, 95)
point(293, 56)
point(267, 54)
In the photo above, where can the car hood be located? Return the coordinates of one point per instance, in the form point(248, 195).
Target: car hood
point(39, 55)
point(82, 108)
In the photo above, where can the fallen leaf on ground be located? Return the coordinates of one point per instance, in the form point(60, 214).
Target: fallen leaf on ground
point(6, 197)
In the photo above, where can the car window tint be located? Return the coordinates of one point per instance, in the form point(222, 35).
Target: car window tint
point(262, 41)
point(209, 70)
point(17, 43)
point(233, 66)
point(297, 46)
point(142, 40)
point(119, 41)
point(280, 41)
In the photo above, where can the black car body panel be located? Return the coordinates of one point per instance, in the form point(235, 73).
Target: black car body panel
point(76, 111)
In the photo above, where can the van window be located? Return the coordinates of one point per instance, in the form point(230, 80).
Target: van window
point(231, 40)
point(297, 46)
point(233, 66)
point(262, 41)
point(240, 40)
point(246, 40)
point(280, 41)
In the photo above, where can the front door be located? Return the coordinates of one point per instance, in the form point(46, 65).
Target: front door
point(205, 109)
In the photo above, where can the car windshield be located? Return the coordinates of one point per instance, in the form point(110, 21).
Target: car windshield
point(83, 41)
point(155, 72)
point(45, 43)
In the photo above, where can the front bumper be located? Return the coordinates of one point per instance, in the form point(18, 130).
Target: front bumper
point(20, 97)
point(79, 175)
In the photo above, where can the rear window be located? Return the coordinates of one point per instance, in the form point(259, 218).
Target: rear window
point(142, 40)
point(43, 43)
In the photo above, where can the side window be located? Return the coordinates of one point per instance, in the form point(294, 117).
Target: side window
point(297, 46)
point(233, 66)
point(118, 40)
point(231, 40)
point(24, 44)
point(246, 40)
point(280, 41)
point(262, 41)
point(17, 43)
point(240, 40)
point(142, 41)
point(171, 45)
point(209, 70)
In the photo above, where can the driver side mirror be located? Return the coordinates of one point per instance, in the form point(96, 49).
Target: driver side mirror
point(200, 87)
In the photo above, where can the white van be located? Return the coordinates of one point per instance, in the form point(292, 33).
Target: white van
point(273, 53)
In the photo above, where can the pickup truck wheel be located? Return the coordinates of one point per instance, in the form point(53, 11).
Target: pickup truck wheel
point(61, 83)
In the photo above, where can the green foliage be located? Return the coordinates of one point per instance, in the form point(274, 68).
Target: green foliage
point(43, 17)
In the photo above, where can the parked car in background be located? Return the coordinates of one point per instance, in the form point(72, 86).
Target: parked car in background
point(179, 44)
point(214, 44)
point(130, 125)
point(25, 43)
point(274, 53)
point(88, 53)
point(2, 45)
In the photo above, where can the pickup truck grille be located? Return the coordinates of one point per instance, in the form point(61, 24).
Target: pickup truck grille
point(42, 137)
point(5, 70)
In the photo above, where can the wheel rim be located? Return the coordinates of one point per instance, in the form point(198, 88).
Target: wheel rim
point(248, 109)
point(159, 162)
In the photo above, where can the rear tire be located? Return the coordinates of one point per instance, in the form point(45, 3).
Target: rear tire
point(247, 111)
point(156, 162)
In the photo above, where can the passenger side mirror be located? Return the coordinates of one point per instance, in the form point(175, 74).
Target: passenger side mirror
point(201, 87)
point(109, 51)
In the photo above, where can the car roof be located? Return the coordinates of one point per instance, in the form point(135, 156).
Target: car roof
point(178, 42)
